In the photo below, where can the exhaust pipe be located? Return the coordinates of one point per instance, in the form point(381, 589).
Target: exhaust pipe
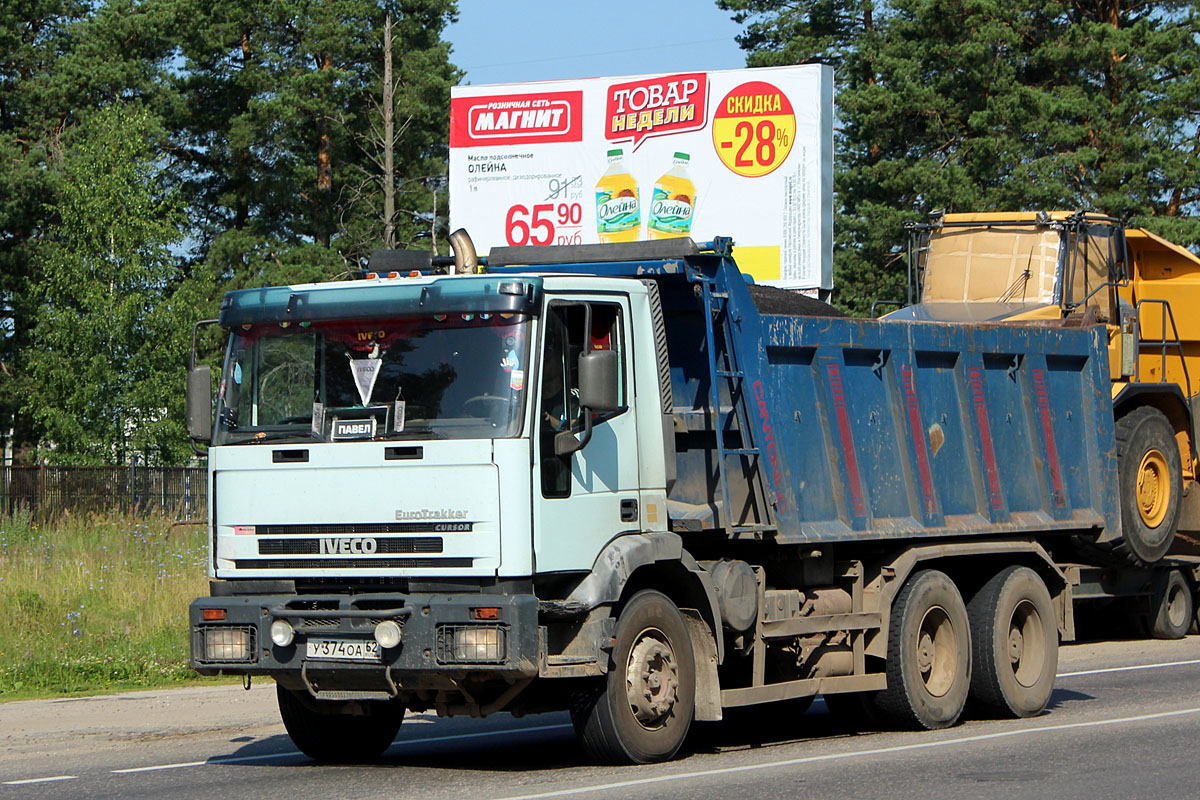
point(465, 258)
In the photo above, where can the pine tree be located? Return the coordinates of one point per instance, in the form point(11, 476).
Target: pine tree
point(247, 117)
point(279, 98)
point(983, 106)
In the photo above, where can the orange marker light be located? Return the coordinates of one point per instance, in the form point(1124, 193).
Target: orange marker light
point(485, 613)
point(213, 614)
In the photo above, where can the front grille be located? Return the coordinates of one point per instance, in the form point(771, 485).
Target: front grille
point(282, 547)
point(363, 528)
point(351, 563)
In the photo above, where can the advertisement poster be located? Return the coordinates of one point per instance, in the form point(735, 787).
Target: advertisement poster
point(746, 154)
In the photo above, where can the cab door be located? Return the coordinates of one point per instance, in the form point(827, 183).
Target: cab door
point(585, 498)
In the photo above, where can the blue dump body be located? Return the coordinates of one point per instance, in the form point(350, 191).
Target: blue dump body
point(869, 429)
point(840, 429)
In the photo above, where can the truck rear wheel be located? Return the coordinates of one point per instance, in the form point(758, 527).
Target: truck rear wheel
point(1014, 638)
point(929, 654)
point(1151, 485)
point(642, 710)
point(334, 737)
point(1171, 612)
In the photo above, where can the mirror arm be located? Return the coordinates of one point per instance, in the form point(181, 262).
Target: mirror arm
point(196, 449)
point(565, 442)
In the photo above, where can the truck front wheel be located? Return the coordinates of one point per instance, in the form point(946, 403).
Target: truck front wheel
point(1151, 485)
point(642, 709)
point(1014, 636)
point(334, 737)
point(929, 654)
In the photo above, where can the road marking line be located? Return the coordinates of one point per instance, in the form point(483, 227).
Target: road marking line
point(841, 756)
point(482, 734)
point(268, 756)
point(40, 780)
point(1129, 669)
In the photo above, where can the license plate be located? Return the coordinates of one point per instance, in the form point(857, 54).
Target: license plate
point(343, 649)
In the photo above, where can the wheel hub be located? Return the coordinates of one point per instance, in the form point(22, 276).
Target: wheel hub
point(925, 654)
point(652, 680)
point(937, 651)
point(1153, 488)
point(1016, 645)
point(1177, 607)
point(1027, 649)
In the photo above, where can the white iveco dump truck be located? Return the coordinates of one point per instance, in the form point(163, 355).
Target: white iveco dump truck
point(620, 481)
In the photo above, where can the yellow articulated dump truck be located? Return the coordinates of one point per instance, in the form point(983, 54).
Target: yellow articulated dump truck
point(1078, 269)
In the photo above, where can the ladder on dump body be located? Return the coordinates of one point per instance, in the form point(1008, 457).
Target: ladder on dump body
point(727, 370)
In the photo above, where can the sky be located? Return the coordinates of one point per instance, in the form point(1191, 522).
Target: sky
point(510, 41)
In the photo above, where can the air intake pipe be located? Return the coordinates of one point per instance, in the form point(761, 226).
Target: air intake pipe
point(465, 258)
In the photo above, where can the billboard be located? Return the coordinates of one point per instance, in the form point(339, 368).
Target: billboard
point(741, 153)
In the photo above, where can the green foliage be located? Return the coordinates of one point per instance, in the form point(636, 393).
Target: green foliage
point(160, 152)
point(292, 85)
point(108, 347)
point(33, 36)
point(978, 105)
point(96, 603)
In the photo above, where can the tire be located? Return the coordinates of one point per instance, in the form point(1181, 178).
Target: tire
point(1172, 608)
point(929, 655)
point(1014, 644)
point(640, 712)
point(338, 738)
point(1150, 482)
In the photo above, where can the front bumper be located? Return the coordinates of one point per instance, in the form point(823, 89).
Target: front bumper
point(440, 634)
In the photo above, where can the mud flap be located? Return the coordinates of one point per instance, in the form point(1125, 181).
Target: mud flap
point(704, 652)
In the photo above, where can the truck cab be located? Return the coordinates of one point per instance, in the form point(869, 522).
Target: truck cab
point(403, 467)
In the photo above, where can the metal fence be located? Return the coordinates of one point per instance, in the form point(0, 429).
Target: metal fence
point(46, 492)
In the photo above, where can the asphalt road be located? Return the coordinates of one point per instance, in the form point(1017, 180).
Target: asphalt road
point(1123, 723)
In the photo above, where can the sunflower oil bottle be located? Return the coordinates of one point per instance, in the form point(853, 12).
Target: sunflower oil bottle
point(618, 215)
point(673, 202)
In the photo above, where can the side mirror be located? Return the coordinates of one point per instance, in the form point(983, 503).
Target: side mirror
point(598, 370)
point(199, 403)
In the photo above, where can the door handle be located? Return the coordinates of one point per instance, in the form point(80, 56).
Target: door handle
point(629, 510)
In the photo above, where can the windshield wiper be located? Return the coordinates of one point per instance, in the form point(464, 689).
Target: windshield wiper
point(410, 431)
point(274, 436)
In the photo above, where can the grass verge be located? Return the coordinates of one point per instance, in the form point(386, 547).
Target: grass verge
point(96, 603)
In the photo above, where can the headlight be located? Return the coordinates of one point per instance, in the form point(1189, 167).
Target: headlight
point(387, 633)
point(225, 644)
point(282, 632)
point(471, 644)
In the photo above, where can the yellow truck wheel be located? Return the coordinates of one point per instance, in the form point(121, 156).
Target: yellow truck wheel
point(1151, 486)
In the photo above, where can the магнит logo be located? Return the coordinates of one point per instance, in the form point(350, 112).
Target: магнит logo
point(516, 119)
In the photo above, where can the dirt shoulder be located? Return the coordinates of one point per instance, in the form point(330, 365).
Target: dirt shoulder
point(42, 726)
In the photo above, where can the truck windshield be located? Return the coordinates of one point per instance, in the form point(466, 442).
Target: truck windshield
point(455, 376)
